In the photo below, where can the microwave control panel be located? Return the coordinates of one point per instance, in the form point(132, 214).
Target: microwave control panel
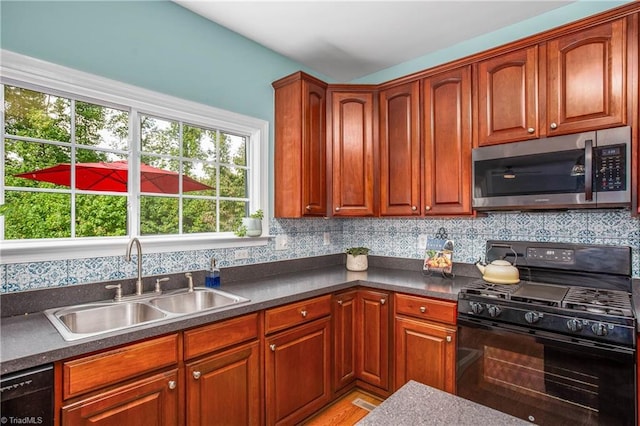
point(610, 172)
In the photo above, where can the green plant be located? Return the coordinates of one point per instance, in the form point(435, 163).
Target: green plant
point(257, 214)
point(241, 231)
point(356, 251)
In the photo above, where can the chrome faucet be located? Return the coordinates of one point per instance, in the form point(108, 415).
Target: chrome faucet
point(127, 257)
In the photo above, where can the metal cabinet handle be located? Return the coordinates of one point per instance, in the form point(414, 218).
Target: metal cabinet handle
point(423, 309)
point(449, 339)
point(553, 126)
point(337, 209)
point(414, 208)
point(383, 301)
point(427, 208)
point(308, 208)
point(172, 384)
point(339, 302)
point(272, 347)
point(303, 313)
point(196, 375)
point(531, 130)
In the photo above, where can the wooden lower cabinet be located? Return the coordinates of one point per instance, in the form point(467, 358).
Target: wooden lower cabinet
point(425, 341)
point(343, 308)
point(425, 352)
point(225, 388)
point(151, 400)
point(372, 338)
point(298, 372)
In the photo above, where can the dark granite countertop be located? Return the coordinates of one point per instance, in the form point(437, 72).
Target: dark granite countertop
point(418, 404)
point(30, 340)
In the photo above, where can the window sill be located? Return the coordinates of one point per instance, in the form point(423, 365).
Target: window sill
point(48, 250)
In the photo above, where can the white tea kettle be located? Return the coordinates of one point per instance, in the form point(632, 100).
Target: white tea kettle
point(500, 271)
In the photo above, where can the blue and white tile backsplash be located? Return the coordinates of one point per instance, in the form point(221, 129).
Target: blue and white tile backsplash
point(385, 237)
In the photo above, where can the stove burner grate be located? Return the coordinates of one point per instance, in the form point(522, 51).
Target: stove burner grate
point(495, 291)
point(601, 301)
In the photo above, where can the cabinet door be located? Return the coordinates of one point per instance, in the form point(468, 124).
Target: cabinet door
point(373, 338)
point(297, 372)
point(400, 150)
point(586, 79)
point(151, 400)
point(300, 145)
point(447, 142)
point(225, 388)
point(425, 352)
point(344, 333)
point(353, 153)
point(507, 97)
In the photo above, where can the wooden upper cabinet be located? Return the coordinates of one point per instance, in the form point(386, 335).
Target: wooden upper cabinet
point(447, 142)
point(586, 79)
point(300, 147)
point(353, 156)
point(400, 150)
point(507, 91)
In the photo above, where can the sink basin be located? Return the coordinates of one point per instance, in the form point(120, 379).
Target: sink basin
point(88, 320)
point(196, 301)
point(80, 321)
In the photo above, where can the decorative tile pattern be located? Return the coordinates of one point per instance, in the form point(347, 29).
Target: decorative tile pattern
point(385, 237)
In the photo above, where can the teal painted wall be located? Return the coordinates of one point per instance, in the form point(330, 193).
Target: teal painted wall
point(555, 18)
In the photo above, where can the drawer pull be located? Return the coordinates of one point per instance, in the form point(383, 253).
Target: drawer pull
point(383, 301)
point(272, 347)
point(308, 208)
point(414, 208)
point(196, 375)
point(172, 384)
point(423, 309)
point(303, 313)
point(531, 130)
point(449, 339)
point(554, 126)
point(337, 209)
point(339, 302)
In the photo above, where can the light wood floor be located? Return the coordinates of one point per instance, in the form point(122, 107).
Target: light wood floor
point(343, 412)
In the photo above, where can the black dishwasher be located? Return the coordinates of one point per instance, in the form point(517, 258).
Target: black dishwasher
point(27, 397)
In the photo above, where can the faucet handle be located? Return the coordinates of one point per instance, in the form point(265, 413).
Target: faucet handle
point(118, 288)
point(158, 281)
point(190, 278)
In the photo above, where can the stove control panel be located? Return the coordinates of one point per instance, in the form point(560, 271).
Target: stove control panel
point(546, 254)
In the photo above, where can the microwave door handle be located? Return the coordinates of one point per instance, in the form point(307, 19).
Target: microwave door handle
point(588, 170)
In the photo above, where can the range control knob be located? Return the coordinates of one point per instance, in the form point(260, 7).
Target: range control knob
point(599, 329)
point(476, 308)
point(532, 317)
point(574, 325)
point(494, 311)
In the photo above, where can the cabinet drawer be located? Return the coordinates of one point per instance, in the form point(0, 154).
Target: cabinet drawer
point(296, 313)
point(217, 336)
point(426, 308)
point(96, 371)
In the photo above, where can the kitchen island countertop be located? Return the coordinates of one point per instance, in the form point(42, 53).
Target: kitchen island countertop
point(418, 404)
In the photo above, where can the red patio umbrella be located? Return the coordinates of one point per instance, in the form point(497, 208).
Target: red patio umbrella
point(113, 177)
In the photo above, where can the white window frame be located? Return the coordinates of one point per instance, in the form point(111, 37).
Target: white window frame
point(16, 69)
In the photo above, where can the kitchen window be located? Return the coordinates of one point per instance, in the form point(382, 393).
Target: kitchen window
point(89, 162)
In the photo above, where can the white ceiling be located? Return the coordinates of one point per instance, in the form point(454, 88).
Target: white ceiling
point(346, 40)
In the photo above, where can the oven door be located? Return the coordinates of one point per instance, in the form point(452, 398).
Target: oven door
point(544, 378)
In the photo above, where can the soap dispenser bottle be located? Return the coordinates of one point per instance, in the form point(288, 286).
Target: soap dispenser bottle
point(212, 277)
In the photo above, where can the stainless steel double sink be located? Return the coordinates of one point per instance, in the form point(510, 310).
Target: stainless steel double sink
point(88, 320)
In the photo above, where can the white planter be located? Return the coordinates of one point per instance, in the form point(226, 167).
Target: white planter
point(357, 263)
point(254, 226)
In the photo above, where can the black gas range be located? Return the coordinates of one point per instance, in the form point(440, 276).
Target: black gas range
point(559, 347)
point(582, 291)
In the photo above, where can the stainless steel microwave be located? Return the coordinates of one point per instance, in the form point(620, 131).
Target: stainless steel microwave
point(583, 170)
